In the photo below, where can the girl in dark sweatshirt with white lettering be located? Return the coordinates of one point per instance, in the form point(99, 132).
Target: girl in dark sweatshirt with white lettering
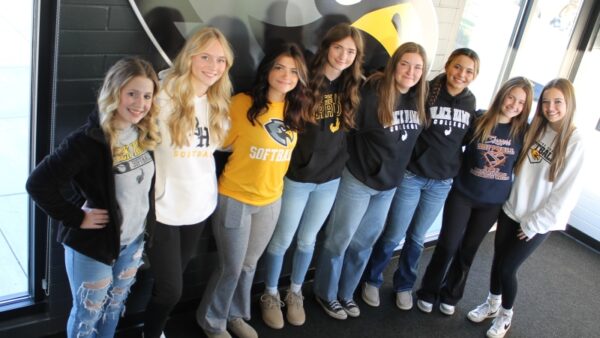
point(435, 161)
point(474, 203)
point(390, 117)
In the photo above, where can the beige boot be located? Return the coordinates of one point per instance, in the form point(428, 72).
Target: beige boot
point(295, 308)
point(270, 307)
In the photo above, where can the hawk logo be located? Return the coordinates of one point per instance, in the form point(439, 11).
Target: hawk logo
point(279, 132)
point(539, 152)
point(251, 26)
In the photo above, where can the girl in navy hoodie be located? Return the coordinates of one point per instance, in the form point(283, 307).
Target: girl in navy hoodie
point(435, 161)
point(477, 194)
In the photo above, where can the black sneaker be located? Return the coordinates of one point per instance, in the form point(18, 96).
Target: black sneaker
point(350, 307)
point(332, 308)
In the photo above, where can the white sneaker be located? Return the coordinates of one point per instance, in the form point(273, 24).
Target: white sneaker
point(501, 324)
point(489, 309)
point(424, 306)
point(370, 294)
point(404, 300)
point(447, 309)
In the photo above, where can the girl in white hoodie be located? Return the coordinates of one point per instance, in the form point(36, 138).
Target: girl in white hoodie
point(547, 184)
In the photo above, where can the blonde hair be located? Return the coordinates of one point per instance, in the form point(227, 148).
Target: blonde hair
point(109, 99)
point(386, 85)
point(540, 123)
point(486, 124)
point(179, 88)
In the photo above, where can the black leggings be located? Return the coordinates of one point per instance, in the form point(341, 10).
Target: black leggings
point(464, 225)
point(509, 253)
point(172, 249)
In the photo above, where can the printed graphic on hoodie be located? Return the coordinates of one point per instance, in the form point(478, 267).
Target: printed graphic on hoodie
point(329, 109)
point(540, 152)
point(280, 134)
point(199, 143)
point(449, 117)
point(494, 152)
point(130, 157)
point(404, 120)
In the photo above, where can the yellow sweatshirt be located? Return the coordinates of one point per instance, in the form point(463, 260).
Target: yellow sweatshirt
point(260, 154)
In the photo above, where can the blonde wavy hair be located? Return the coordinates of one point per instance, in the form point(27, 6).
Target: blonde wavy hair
point(109, 99)
point(179, 88)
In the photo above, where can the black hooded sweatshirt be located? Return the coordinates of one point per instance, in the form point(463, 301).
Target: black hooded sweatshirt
point(438, 152)
point(378, 154)
point(83, 166)
point(320, 154)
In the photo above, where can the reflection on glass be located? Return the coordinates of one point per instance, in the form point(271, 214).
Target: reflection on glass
point(545, 41)
point(486, 27)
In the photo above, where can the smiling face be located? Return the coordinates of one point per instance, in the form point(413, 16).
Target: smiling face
point(135, 100)
point(208, 66)
point(459, 74)
point(283, 77)
point(408, 71)
point(341, 55)
point(512, 105)
point(554, 107)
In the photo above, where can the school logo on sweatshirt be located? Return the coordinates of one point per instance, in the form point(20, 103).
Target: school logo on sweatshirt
point(450, 117)
point(201, 133)
point(279, 132)
point(539, 152)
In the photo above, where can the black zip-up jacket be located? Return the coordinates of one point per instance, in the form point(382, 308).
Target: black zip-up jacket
point(83, 164)
point(438, 152)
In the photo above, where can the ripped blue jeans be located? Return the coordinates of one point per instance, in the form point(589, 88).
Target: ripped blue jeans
point(99, 291)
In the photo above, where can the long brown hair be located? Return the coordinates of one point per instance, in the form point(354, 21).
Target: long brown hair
point(179, 88)
point(297, 100)
point(350, 78)
point(386, 85)
point(486, 124)
point(540, 123)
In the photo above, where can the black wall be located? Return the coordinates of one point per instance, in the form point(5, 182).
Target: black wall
point(91, 36)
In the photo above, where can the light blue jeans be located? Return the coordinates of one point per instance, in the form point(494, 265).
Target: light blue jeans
point(304, 207)
point(416, 205)
point(99, 291)
point(242, 232)
point(355, 223)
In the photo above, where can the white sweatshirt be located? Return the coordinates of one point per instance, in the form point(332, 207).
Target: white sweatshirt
point(538, 204)
point(186, 182)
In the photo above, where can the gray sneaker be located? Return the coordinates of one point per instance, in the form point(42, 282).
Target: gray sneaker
point(404, 300)
point(447, 309)
point(370, 294)
point(350, 307)
point(332, 308)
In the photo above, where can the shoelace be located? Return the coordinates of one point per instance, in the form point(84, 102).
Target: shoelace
point(271, 301)
point(349, 303)
point(294, 299)
point(335, 305)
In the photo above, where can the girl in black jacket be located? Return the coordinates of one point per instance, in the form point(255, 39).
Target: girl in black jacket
point(108, 163)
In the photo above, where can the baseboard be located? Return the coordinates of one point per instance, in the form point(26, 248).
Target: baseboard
point(583, 238)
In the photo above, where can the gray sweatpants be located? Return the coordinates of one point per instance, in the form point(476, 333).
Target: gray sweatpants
point(242, 232)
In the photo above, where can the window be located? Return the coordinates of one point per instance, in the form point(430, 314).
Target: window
point(16, 23)
point(488, 27)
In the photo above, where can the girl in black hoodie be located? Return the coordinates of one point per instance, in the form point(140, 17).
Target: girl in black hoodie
point(435, 161)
